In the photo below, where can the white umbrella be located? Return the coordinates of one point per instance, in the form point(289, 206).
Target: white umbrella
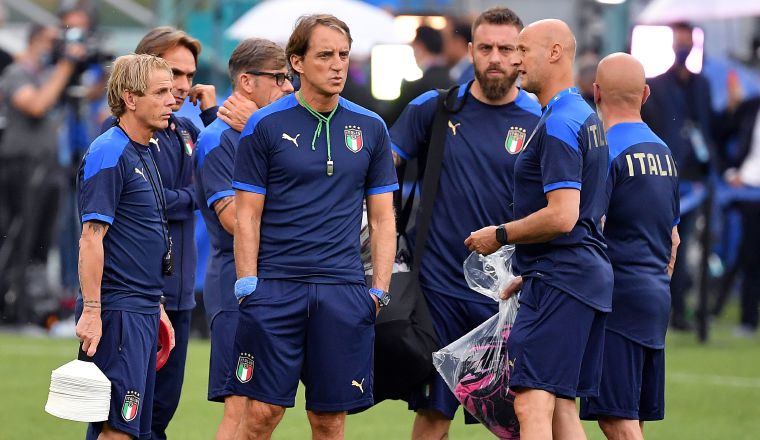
point(671, 11)
point(275, 20)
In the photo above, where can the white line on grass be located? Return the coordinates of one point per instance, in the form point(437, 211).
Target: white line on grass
point(710, 379)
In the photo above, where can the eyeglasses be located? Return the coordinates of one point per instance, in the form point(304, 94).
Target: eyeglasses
point(279, 77)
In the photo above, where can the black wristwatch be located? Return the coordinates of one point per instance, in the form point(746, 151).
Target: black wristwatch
point(501, 235)
point(383, 297)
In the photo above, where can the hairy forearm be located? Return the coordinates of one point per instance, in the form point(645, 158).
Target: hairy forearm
point(91, 258)
point(247, 234)
point(558, 217)
point(382, 232)
point(540, 227)
point(383, 242)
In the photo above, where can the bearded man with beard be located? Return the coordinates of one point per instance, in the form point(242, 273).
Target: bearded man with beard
point(482, 143)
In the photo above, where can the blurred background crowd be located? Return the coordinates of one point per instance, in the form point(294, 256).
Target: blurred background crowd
point(702, 59)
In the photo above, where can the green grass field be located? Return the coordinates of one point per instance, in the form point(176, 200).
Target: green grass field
point(713, 392)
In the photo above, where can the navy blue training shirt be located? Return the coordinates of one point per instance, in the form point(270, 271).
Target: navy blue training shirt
point(643, 208)
point(214, 163)
point(114, 187)
point(568, 150)
point(311, 221)
point(477, 176)
point(173, 148)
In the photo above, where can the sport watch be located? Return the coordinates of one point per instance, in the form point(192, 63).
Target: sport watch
point(383, 298)
point(501, 235)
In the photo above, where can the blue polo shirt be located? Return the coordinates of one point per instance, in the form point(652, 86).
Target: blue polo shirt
point(477, 176)
point(642, 174)
point(311, 221)
point(214, 163)
point(568, 150)
point(173, 148)
point(114, 187)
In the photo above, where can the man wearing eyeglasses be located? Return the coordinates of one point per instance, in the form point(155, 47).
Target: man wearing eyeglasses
point(259, 73)
point(304, 166)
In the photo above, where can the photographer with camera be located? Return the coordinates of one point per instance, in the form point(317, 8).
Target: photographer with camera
point(29, 169)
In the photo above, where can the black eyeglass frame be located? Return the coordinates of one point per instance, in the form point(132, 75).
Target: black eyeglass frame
point(279, 77)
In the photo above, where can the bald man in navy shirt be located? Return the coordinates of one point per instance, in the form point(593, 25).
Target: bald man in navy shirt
point(642, 247)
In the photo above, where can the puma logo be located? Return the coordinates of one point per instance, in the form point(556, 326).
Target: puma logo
point(155, 141)
point(291, 139)
point(359, 385)
point(453, 127)
point(140, 172)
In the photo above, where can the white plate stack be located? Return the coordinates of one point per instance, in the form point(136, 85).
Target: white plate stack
point(79, 391)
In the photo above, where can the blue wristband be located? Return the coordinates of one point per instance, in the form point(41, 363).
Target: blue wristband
point(377, 292)
point(245, 286)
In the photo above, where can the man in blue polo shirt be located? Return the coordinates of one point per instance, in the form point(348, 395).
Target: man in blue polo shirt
point(124, 244)
point(258, 72)
point(172, 148)
point(303, 168)
point(555, 346)
point(641, 244)
point(483, 140)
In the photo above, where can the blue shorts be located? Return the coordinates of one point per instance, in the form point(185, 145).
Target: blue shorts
point(452, 319)
point(223, 329)
point(127, 356)
point(633, 382)
point(556, 343)
point(323, 334)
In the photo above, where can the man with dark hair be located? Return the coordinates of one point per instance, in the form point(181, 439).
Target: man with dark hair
point(428, 53)
point(304, 166)
point(30, 178)
point(456, 39)
point(124, 244)
point(566, 278)
point(483, 139)
point(641, 245)
point(258, 72)
point(680, 113)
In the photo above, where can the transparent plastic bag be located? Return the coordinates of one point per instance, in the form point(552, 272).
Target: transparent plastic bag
point(489, 274)
point(476, 369)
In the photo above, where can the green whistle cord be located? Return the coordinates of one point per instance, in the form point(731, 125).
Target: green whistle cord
point(321, 119)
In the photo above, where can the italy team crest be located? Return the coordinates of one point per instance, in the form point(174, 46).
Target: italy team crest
point(244, 370)
point(130, 406)
point(187, 140)
point(353, 135)
point(515, 140)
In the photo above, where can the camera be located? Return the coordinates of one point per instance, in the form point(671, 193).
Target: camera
point(94, 53)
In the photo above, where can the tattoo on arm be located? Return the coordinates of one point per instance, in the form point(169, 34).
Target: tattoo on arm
point(97, 227)
point(220, 206)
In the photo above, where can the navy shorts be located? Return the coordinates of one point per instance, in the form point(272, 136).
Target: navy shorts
point(322, 334)
point(556, 343)
point(452, 318)
point(127, 356)
point(221, 364)
point(633, 382)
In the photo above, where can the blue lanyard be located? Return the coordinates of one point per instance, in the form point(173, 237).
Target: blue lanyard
point(560, 95)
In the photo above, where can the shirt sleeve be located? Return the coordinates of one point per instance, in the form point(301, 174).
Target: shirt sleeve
point(411, 131)
point(252, 162)
point(676, 205)
point(216, 174)
point(208, 116)
point(561, 158)
point(381, 177)
point(101, 182)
